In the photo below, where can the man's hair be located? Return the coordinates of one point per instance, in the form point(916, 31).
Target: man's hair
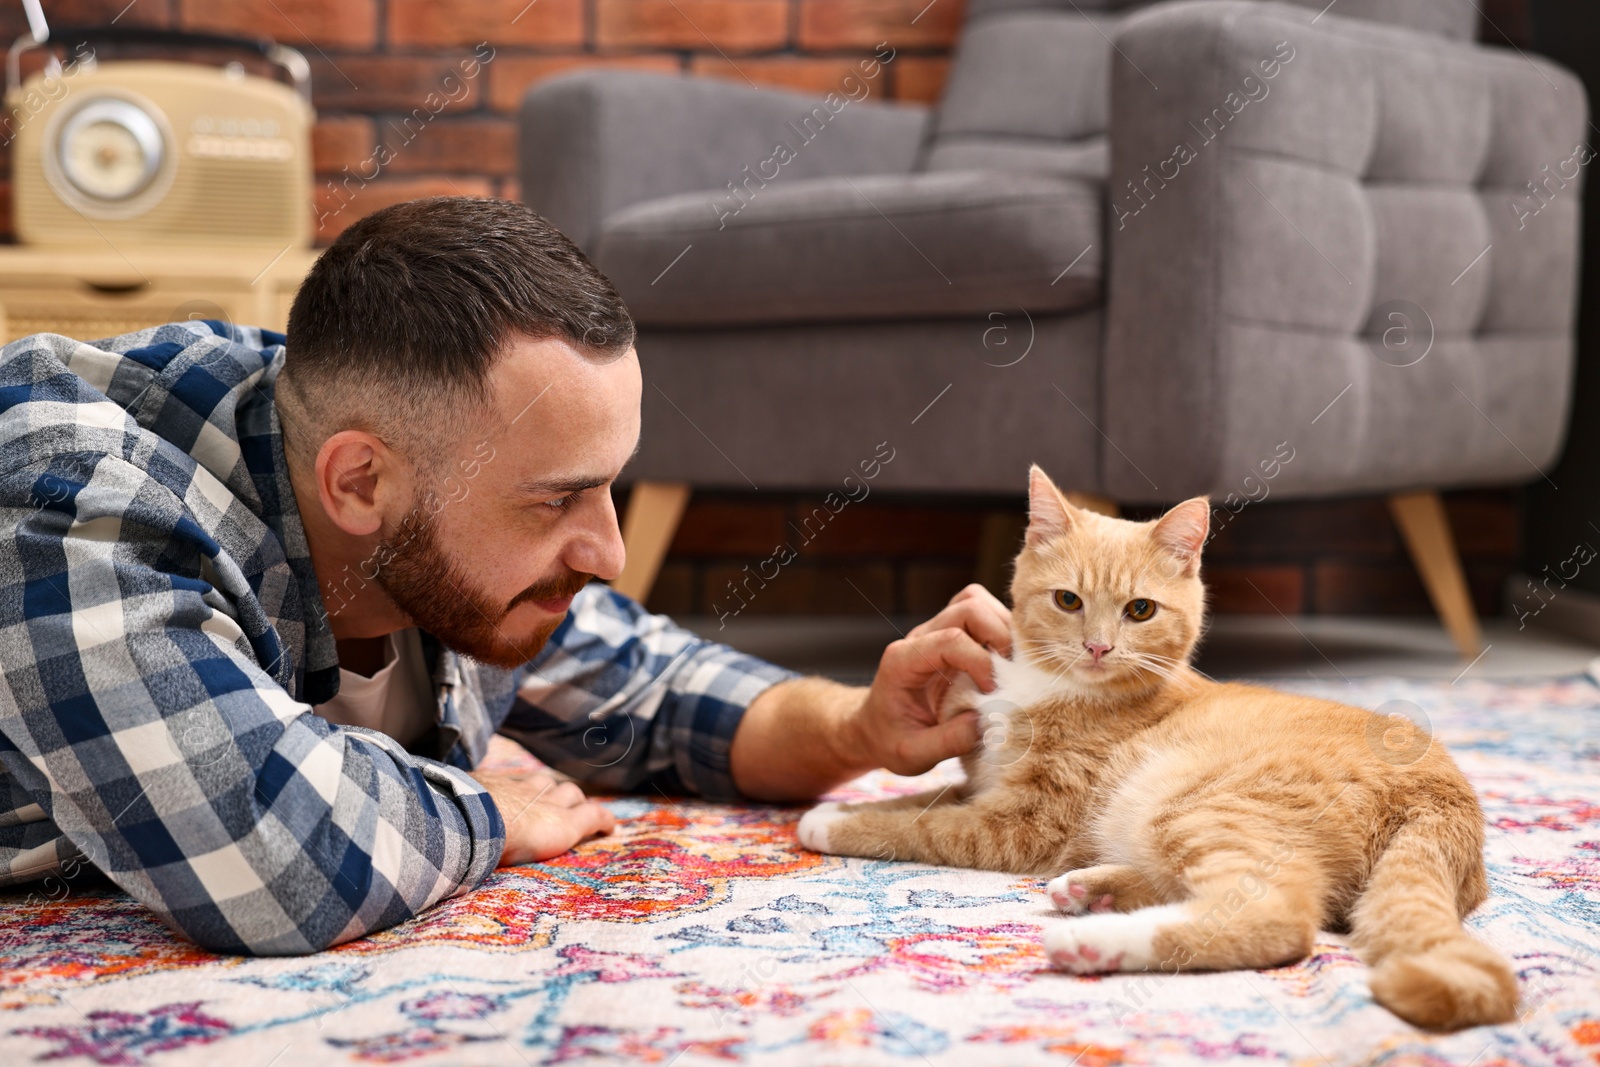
point(401, 320)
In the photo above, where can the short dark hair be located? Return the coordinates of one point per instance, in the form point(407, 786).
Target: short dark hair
point(419, 299)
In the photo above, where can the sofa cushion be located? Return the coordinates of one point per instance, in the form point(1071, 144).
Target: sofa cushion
point(1034, 75)
point(873, 247)
point(1027, 91)
point(1087, 158)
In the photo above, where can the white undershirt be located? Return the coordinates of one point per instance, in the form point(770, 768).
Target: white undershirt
point(398, 700)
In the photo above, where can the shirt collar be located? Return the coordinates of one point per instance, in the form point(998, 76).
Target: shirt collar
point(261, 443)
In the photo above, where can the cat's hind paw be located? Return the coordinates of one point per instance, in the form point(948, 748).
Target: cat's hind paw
point(815, 824)
point(1097, 944)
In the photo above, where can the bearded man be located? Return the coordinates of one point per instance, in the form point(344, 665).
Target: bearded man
point(264, 600)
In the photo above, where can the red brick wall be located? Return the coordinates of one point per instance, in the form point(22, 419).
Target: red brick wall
point(374, 61)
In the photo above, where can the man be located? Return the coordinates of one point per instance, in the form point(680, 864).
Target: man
point(263, 602)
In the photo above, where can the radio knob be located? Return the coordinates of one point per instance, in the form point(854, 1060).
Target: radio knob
point(110, 149)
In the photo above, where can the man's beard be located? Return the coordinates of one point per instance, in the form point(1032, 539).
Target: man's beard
point(426, 584)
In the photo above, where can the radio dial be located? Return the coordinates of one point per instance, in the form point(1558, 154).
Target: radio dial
point(111, 149)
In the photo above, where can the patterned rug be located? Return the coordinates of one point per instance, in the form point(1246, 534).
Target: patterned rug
point(702, 934)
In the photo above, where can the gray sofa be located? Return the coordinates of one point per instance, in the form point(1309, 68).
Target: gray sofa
point(1155, 249)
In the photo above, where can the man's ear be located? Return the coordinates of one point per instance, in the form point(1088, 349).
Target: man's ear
point(354, 471)
point(1182, 532)
point(1049, 513)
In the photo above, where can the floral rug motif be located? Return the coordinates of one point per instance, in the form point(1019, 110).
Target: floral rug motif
point(703, 934)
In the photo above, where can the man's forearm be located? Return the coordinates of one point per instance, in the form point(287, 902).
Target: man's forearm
point(799, 739)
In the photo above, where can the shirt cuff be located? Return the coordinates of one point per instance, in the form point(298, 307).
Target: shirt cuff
point(486, 831)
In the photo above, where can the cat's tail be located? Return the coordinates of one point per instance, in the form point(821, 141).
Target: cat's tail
point(1407, 924)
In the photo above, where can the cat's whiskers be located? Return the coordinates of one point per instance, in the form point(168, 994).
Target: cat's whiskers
point(1059, 650)
point(1154, 670)
point(1179, 664)
point(1151, 663)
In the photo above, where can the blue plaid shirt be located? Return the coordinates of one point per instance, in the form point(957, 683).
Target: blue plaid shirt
point(163, 641)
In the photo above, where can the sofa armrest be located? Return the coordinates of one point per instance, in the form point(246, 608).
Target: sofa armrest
point(596, 141)
point(1298, 181)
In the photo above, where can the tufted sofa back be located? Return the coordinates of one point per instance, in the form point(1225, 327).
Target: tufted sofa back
point(1393, 188)
point(1457, 19)
point(1027, 86)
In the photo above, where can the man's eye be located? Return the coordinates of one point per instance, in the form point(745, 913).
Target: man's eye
point(562, 503)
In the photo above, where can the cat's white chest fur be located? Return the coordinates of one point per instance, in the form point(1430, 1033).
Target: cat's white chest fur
point(1005, 728)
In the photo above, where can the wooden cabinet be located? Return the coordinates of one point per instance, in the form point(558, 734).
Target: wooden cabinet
point(102, 294)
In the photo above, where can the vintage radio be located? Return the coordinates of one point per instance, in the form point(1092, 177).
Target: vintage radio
point(157, 154)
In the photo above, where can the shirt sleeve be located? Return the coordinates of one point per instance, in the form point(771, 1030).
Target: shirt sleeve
point(627, 700)
point(136, 712)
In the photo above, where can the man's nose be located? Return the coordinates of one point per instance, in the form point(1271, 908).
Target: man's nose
point(1097, 649)
point(598, 549)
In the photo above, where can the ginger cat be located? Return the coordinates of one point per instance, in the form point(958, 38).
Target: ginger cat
point(1201, 826)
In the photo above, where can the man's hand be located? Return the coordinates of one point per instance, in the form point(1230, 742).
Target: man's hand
point(976, 611)
point(803, 737)
point(543, 817)
point(897, 725)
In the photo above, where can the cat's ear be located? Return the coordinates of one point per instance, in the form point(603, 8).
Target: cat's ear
point(1049, 514)
point(1182, 532)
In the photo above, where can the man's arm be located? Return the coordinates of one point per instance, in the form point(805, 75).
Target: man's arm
point(158, 738)
point(624, 699)
point(805, 737)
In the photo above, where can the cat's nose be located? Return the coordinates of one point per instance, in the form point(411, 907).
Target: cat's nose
point(1096, 649)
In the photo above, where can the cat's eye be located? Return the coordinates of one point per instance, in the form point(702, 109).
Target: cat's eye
point(1068, 601)
point(1141, 609)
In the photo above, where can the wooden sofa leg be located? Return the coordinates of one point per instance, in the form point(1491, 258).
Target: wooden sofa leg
point(1000, 538)
point(1426, 530)
point(654, 510)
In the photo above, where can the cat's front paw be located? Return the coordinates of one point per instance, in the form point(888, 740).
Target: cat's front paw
point(815, 824)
